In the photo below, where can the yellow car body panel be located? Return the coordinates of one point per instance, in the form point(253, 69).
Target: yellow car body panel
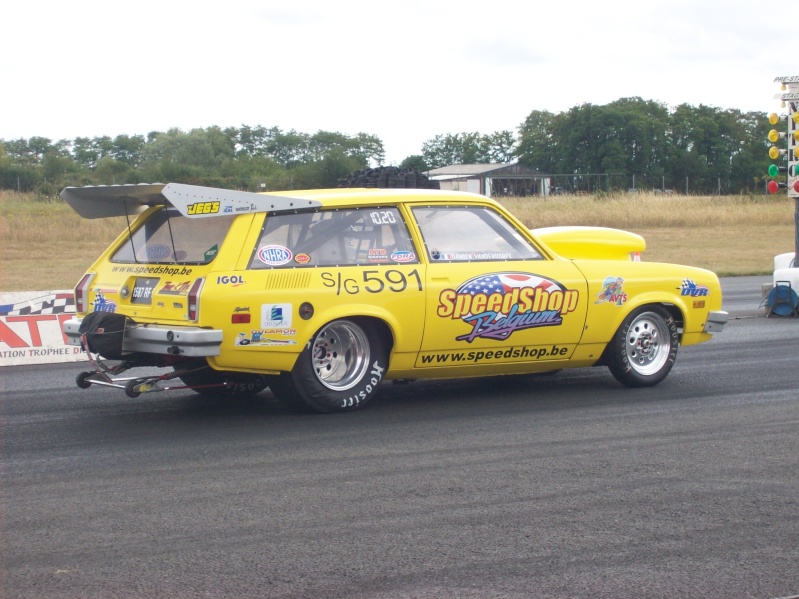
point(618, 287)
point(591, 243)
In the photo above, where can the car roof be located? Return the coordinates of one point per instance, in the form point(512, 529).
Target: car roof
point(356, 196)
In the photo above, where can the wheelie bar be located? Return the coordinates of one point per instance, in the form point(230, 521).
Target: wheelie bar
point(106, 376)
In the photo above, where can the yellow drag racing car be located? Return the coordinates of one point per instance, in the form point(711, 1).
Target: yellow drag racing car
point(322, 295)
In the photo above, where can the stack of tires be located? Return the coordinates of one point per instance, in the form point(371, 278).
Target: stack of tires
point(389, 177)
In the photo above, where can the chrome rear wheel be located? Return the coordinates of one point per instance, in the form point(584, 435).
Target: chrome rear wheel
point(339, 370)
point(340, 355)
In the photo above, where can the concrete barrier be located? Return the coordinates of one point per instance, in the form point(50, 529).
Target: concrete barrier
point(30, 328)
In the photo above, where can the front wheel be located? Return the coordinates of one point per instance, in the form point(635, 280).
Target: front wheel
point(339, 370)
point(644, 348)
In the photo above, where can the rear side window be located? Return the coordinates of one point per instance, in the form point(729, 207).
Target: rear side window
point(167, 237)
point(344, 237)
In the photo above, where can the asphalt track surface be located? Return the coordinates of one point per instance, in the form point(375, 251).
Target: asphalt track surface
point(557, 486)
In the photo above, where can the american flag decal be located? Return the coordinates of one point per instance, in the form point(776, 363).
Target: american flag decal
point(505, 282)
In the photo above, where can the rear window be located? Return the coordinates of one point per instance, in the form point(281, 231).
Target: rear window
point(344, 237)
point(167, 237)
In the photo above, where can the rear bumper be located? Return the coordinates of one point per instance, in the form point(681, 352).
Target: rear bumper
point(159, 339)
point(715, 321)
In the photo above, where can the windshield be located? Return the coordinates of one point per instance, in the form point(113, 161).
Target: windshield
point(167, 237)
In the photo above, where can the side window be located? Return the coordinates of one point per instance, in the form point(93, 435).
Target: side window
point(470, 234)
point(345, 237)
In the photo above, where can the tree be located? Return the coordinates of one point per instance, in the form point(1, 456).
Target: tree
point(85, 152)
point(253, 141)
point(289, 148)
point(749, 160)
point(498, 147)
point(27, 152)
point(643, 139)
point(111, 172)
point(127, 149)
point(335, 165)
point(370, 149)
point(468, 148)
point(415, 162)
point(538, 145)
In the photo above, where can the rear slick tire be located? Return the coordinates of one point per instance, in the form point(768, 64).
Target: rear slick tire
point(644, 348)
point(339, 370)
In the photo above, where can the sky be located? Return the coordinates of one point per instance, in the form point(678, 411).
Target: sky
point(402, 71)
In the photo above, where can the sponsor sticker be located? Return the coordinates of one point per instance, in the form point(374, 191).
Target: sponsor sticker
point(202, 208)
point(233, 280)
point(103, 304)
point(470, 256)
point(171, 288)
point(275, 255)
point(156, 253)
point(612, 292)
point(497, 305)
point(403, 256)
point(211, 253)
point(377, 255)
point(691, 289)
point(276, 316)
point(262, 338)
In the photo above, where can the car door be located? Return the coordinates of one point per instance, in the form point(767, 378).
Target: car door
point(300, 271)
point(493, 298)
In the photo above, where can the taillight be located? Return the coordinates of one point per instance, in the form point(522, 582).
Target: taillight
point(194, 299)
point(82, 293)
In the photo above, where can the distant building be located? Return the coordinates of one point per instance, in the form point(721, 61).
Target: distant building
point(493, 179)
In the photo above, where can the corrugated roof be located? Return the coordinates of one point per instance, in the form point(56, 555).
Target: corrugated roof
point(467, 170)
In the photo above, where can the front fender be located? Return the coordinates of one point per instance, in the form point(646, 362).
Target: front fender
point(617, 288)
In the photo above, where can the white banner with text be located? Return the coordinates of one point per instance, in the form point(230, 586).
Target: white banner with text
point(30, 328)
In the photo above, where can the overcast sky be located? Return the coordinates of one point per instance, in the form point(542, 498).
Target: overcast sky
point(404, 71)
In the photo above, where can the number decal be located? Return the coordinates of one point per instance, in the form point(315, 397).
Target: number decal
point(373, 275)
point(397, 280)
point(383, 217)
point(374, 281)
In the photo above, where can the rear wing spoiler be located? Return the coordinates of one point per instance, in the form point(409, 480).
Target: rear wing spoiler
point(193, 201)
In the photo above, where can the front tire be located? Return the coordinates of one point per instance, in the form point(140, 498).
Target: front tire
point(644, 348)
point(339, 370)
